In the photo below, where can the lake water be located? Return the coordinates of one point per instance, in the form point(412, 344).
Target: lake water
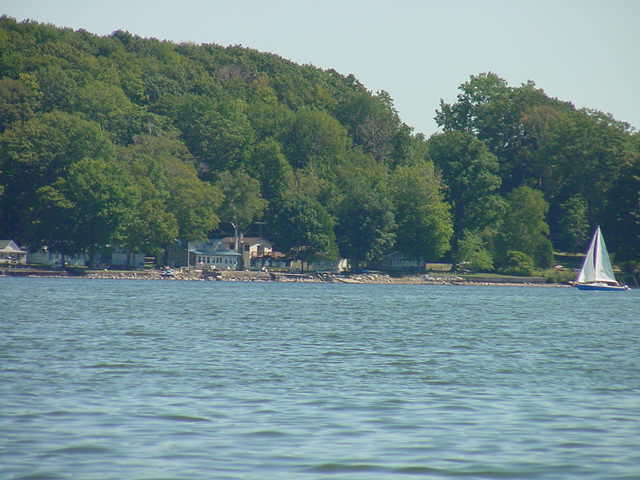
point(106, 379)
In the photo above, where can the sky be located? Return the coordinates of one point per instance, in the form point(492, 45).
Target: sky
point(419, 51)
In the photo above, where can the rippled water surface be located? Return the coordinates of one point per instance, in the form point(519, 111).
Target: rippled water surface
point(150, 380)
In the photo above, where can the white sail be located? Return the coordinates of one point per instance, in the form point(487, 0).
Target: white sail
point(596, 266)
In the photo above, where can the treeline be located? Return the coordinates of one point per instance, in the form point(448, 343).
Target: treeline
point(135, 142)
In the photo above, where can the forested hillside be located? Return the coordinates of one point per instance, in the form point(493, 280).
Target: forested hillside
point(139, 142)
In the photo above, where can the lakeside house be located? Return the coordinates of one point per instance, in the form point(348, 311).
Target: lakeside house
point(115, 257)
point(397, 262)
point(213, 253)
point(320, 264)
point(251, 248)
point(122, 258)
point(274, 260)
point(50, 258)
point(11, 253)
point(254, 253)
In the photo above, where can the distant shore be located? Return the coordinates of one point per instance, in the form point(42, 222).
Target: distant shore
point(378, 278)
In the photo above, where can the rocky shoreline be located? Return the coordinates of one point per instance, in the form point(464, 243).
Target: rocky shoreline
point(260, 276)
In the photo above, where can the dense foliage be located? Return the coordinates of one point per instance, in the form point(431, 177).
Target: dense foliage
point(121, 140)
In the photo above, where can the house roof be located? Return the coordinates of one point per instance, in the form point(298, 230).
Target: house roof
point(211, 247)
point(220, 253)
point(249, 241)
point(9, 246)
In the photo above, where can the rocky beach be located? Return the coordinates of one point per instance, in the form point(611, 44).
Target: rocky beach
point(265, 276)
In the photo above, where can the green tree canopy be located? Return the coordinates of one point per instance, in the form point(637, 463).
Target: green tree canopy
point(83, 210)
point(424, 224)
point(243, 202)
point(366, 226)
point(302, 227)
point(316, 138)
point(471, 174)
point(271, 168)
point(19, 99)
point(623, 220)
point(473, 252)
point(37, 153)
point(573, 224)
point(164, 165)
point(524, 227)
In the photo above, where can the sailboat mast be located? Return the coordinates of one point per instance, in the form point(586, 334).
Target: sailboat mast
point(596, 249)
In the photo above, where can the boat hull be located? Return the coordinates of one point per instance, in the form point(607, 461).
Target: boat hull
point(602, 288)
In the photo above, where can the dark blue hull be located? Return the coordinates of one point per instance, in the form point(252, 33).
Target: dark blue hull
point(602, 288)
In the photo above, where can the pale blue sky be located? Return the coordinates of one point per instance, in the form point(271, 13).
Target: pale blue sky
point(584, 51)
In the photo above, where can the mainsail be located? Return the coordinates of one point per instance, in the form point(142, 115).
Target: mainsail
point(597, 266)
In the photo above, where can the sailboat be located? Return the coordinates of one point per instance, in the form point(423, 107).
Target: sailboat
point(596, 272)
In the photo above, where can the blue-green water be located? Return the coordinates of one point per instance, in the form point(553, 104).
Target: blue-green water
point(208, 380)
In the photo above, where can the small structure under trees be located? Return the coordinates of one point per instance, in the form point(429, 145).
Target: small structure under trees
point(10, 253)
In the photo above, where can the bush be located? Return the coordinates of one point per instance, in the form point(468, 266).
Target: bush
point(517, 263)
point(473, 254)
point(553, 275)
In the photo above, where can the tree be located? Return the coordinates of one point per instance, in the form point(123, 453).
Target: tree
point(148, 226)
point(167, 163)
point(83, 211)
point(194, 203)
point(470, 172)
point(473, 252)
point(424, 224)
point(270, 119)
point(19, 99)
point(365, 227)
point(524, 228)
point(37, 153)
point(316, 138)
point(517, 263)
point(581, 153)
point(573, 224)
point(373, 123)
point(623, 219)
point(217, 131)
point(108, 105)
point(494, 112)
point(242, 200)
point(304, 228)
point(469, 113)
point(58, 85)
point(272, 169)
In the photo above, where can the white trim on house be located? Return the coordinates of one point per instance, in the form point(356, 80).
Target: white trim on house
point(10, 252)
point(213, 254)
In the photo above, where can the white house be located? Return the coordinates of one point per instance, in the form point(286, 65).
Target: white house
point(45, 256)
point(120, 258)
point(213, 254)
point(397, 262)
point(10, 252)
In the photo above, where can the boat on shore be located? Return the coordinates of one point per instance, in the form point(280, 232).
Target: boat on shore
point(596, 272)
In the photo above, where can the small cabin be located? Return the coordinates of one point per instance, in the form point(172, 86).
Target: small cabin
point(11, 253)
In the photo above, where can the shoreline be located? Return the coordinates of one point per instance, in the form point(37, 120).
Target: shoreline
point(258, 276)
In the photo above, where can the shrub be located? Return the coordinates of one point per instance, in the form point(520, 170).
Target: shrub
point(517, 263)
point(553, 275)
